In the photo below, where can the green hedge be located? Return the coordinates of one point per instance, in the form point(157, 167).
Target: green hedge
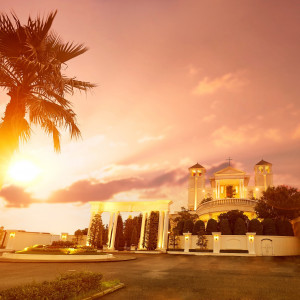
point(66, 286)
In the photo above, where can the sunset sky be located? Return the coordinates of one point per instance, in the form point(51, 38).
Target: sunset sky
point(179, 82)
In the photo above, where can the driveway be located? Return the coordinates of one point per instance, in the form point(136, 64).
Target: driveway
point(162, 276)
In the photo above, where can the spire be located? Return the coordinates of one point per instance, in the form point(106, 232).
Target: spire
point(196, 166)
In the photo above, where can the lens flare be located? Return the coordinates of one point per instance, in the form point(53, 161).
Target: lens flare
point(23, 171)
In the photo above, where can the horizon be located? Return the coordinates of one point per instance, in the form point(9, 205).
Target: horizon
point(178, 83)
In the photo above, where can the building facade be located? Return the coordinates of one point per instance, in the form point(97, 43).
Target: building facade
point(228, 189)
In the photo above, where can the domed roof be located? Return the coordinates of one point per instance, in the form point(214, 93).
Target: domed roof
point(263, 163)
point(196, 166)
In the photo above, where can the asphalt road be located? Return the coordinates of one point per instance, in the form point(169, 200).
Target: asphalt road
point(162, 276)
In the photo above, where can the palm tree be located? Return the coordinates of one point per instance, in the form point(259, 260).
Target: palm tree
point(31, 61)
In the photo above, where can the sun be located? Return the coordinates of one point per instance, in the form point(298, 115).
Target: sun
point(23, 171)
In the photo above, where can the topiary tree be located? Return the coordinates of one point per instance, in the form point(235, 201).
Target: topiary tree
point(269, 227)
point(232, 216)
point(212, 226)
point(240, 227)
point(198, 226)
point(255, 226)
point(225, 227)
point(188, 226)
point(152, 231)
point(284, 227)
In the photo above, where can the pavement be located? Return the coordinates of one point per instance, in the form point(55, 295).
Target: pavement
point(164, 276)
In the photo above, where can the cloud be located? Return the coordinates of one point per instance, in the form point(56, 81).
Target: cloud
point(91, 190)
point(229, 81)
point(296, 133)
point(16, 196)
point(209, 118)
point(246, 134)
point(151, 138)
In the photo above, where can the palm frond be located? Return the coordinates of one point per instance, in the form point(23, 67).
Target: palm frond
point(69, 50)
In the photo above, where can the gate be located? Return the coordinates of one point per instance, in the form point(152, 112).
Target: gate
point(266, 247)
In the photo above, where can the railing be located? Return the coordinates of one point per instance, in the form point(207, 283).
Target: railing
point(227, 201)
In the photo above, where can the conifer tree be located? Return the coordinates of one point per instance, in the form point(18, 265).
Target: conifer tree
point(152, 231)
point(119, 241)
point(96, 232)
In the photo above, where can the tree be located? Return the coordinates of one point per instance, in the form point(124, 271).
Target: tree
point(179, 227)
point(184, 214)
point(284, 227)
point(96, 232)
point(128, 228)
point(225, 227)
point(269, 227)
point(152, 231)
point(78, 236)
point(232, 216)
point(212, 226)
point(240, 227)
point(281, 202)
point(134, 237)
point(188, 226)
point(202, 239)
point(198, 226)
point(137, 222)
point(32, 58)
point(255, 226)
point(119, 240)
point(174, 238)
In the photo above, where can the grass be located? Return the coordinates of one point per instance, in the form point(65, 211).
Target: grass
point(58, 252)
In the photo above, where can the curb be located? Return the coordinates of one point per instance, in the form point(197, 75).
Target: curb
point(108, 291)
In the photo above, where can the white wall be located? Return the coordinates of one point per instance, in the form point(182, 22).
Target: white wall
point(264, 245)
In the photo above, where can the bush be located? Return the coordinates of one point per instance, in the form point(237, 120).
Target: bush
point(198, 226)
point(269, 227)
point(284, 227)
point(255, 226)
point(212, 226)
point(240, 227)
point(225, 227)
point(66, 286)
point(188, 226)
point(63, 244)
point(179, 227)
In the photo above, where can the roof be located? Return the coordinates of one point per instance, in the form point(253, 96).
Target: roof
point(263, 162)
point(229, 170)
point(196, 166)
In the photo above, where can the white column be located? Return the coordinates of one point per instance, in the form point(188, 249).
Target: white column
point(250, 242)
point(142, 230)
point(187, 241)
point(113, 237)
point(216, 242)
point(240, 189)
point(165, 231)
point(218, 184)
point(111, 217)
point(243, 188)
point(160, 227)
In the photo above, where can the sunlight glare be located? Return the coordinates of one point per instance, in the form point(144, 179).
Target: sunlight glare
point(23, 171)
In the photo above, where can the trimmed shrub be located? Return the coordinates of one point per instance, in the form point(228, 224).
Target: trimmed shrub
point(240, 227)
point(212, 226)
point(188, 226)
point(66, 286)
point(284, 227)
point(269, 227)
point(62, 244)
point(225, 227)
point(255, 226)
point(198, 226)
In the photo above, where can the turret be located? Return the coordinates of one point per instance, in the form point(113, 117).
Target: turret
point(263, 177)
point(196, 187)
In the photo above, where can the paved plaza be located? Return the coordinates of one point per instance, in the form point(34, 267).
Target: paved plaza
point(178, 277)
